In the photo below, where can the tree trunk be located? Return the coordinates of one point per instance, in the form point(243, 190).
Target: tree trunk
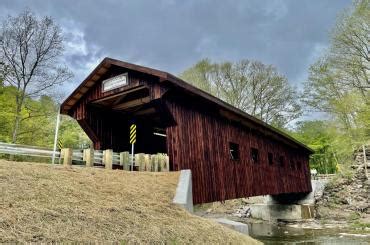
point(16, 125)
point(19, 101)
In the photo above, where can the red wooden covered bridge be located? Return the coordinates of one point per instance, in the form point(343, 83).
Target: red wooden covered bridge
point(230, 153)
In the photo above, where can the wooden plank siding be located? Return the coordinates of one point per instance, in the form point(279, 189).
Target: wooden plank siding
point(200, 142)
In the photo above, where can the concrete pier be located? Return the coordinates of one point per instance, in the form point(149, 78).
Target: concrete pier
point(275, 212)
point(289, 207)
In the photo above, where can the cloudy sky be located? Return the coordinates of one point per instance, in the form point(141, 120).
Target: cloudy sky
point(172, 35)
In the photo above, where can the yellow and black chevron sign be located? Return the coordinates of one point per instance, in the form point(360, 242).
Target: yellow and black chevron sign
point(60, 143)
point(133, 134)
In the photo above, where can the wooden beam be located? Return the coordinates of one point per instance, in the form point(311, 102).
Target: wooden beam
point(95, 77)
point(84, 89)
point(119, 100)
point(119, 94)
point(132, 103)
point(89, 84)
point(145, 112)
point(102, 70)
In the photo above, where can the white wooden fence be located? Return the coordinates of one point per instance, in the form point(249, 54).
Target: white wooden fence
point(90, 158)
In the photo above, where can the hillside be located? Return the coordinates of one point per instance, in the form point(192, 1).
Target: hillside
point(43, 203)
point(346, 197)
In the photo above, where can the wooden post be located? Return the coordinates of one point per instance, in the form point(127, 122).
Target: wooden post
point(154, 163)
point(167, 162)
point(163, 162)
point(124, 160)
point(108, 158)
point(139, 161)
point(160, 164)
point(365, 159)
point(67, 157)
point(147, 164)
point(89, 157)
point(61, 156)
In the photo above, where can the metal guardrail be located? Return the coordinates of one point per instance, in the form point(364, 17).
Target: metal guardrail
point(98, 156)
point(26, 150)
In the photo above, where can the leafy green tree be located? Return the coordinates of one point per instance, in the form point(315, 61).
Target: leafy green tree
point(72, 135)
point(38, 122)
point(324, 139)
point(251, 86)
point(338, 83)
point(7, 105)
point(200, 75)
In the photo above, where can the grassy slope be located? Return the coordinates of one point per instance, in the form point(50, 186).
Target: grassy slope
point(43, 203)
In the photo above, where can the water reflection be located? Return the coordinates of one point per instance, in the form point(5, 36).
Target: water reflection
point(275, 234)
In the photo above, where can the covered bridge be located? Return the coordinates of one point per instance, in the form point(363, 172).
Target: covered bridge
point(231, 154)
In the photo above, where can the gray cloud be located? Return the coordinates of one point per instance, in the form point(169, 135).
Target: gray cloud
point(171, 35)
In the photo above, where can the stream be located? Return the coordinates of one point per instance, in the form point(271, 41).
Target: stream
point(275, 234)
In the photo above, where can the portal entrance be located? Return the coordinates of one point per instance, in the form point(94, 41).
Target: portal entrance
point(151, 137)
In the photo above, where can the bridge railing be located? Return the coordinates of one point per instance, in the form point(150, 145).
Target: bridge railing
point(116, 160)
point(91, 158)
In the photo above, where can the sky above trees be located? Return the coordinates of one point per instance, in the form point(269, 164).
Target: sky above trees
point(172, 35)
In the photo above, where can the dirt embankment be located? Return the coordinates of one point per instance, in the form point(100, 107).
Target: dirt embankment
point(43, 203)
point(346, 198)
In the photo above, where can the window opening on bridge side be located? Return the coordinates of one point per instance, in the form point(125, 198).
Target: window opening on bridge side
point(234, 151)
point(254, 155)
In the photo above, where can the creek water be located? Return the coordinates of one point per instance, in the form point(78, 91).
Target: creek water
point(275, 234)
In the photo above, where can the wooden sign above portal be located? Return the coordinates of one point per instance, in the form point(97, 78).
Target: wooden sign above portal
point(114, 82)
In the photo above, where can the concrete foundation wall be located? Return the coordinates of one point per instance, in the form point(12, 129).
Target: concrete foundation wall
point(184, 191)
point(273, 212)
point(301, 198)
point(293, 207)
point(237, 226)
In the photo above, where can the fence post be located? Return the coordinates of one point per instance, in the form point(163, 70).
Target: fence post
point(108, 158)
point(154, 163)
point(139, 161)
point(124, 160)
point(61, 156)
point(89, 157)
point(67, 157)
point(147, 164)
point(165, 163)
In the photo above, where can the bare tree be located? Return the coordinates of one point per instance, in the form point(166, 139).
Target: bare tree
point(251, 86)
point(350, 51)
point(30, 50)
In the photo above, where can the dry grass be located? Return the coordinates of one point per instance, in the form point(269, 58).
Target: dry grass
point(43, 203)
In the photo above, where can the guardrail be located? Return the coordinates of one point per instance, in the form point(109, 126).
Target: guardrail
point(27, 150)
point(90, 158)
point(116, 160)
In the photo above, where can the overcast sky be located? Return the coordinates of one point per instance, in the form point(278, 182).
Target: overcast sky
point(172, 35)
